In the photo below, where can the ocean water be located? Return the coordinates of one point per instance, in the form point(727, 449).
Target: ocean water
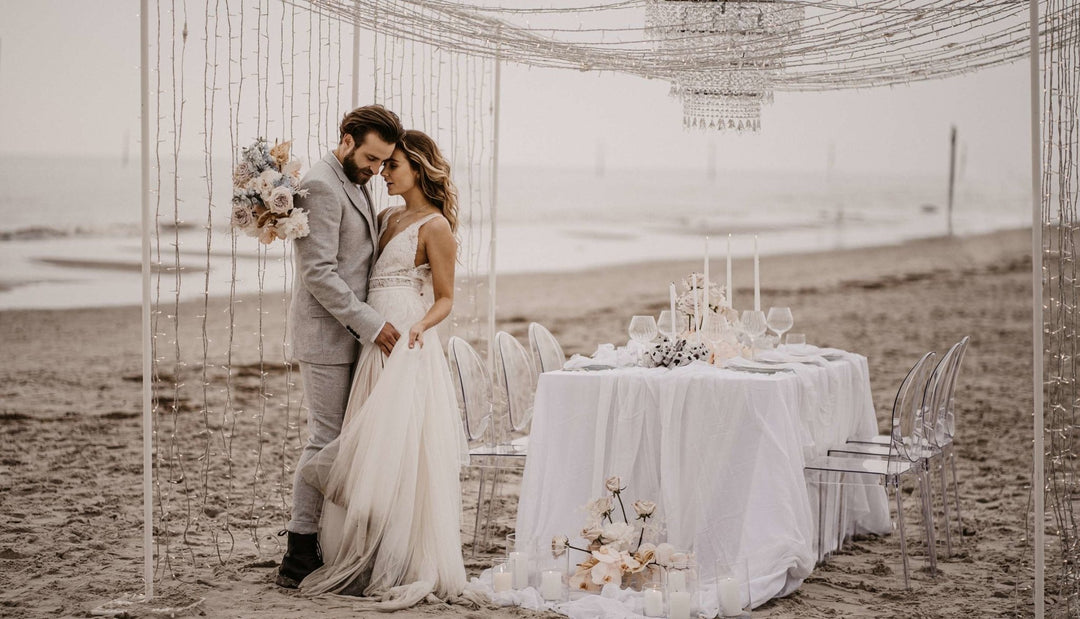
point(69, 227)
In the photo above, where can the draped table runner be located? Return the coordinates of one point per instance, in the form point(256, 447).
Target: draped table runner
point(720, 451)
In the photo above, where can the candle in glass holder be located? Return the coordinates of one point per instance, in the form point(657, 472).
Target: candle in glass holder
point(676, 581)
point(502, 579)
point(679, 605)
point(757, 279)
point(519, 567)
point(654, 602)
point(551, 585)
point(727, 591)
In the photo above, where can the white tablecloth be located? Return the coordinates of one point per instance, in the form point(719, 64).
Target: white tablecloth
point(721, 452)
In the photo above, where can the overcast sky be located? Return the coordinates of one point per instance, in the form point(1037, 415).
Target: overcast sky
point(69, 79)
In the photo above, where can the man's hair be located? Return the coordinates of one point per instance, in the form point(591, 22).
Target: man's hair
point(377, 118)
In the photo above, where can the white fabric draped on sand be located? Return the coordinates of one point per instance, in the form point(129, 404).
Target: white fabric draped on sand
point(392, 509)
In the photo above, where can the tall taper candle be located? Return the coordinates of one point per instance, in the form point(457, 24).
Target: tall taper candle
point(705, 319)
point(757, 279)
point(693, 288)
point(674, 333)
point(730, 290)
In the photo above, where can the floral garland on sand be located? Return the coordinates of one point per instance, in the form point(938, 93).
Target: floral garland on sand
point(616, 550)
point(265, 182)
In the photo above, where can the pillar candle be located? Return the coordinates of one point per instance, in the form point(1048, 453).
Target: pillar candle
point(654, 603)
point(674, 333)
point(676, 581)
point(502, 581)
point(679, 605)
point(705, 319)
point(728, 283)
point(551, 587)
point(757, 279)
point(519, 566)
point(727, 590)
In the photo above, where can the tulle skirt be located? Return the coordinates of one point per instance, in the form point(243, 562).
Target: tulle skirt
point(391, 521)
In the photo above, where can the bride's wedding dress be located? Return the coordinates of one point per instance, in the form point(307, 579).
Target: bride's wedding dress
point(390, 526)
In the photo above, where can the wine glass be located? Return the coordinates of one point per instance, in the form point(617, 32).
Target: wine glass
point(643, 329)
point(755, 323)
point(663, 324)
point(780, 321)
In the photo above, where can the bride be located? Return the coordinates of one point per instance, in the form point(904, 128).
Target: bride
point(391, 517)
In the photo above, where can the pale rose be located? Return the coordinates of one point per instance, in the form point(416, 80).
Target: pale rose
point(644, 557)
point(647, 547)
point(292, 169)
point(599, 508)
point(243, 173)
point(613, 484)
point(280, 200)
point(592, 533)
point(266, 183)
point(606, 574)
point(294, 226)
point(267, 234)
point(242, 217)
point(663, 553)
point(644, 509)
point(620, 534)
point(558, 545)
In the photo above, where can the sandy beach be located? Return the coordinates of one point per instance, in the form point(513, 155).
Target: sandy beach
point(71, 448)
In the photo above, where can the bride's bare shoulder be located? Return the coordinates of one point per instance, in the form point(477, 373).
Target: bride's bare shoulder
point(436, 227)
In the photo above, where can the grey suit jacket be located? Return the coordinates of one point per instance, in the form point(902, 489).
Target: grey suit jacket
point(329, 317)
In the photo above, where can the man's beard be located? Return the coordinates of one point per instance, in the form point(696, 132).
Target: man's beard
point(353, 172)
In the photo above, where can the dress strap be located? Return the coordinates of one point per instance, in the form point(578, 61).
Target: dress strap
point(424, 220)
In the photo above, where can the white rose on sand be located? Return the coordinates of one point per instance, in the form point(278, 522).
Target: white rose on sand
point(619, 534)
point(644, 508)
point(606, 554)
point(592, 533)
point(281, 200)
point(628, 563)
point(294, 226)
point(613, 484)
point(663, 553)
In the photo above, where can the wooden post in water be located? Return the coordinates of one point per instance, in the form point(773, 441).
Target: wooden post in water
point(952, 174)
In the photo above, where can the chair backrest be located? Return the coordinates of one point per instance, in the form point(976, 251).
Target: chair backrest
point(937, 396)
point(949, 425)
point(907, 414)
point(517, 379)
point(472, 386)
point(545, 349)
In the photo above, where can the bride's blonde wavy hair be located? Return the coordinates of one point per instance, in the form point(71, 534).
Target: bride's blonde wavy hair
point(433, 173)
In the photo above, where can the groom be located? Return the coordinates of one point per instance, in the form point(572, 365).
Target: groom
point(329, 319)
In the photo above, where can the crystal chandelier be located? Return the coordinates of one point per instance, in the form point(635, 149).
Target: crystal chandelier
point(730, 53)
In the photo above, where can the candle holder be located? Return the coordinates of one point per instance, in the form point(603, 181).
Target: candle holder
point(554, 574)
point(653, 599)
point(733, 589)
point(517, 560)
point(682, 590)
point(502, 579)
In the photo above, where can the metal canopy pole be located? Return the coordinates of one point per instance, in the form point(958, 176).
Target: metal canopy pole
point(147, 352)
point(1038, 482)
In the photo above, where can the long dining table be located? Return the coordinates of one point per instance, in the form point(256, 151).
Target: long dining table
point(721, 452)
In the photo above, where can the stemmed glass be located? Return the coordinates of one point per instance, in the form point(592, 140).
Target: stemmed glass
point(663, 324)
point(754, 321)
point(780, 321)
point(643, 329)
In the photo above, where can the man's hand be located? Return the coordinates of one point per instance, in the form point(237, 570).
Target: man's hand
point(387, 338)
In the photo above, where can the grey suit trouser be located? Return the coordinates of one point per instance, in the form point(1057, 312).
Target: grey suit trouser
point(326, 389)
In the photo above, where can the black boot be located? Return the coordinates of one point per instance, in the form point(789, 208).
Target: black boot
point(302, 558)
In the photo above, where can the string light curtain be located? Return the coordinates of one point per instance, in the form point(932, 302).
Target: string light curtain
point(1061, 290)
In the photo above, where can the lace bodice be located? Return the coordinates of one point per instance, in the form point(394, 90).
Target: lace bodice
point(394, 267)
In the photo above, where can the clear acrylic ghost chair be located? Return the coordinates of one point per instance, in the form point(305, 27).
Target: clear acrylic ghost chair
point(474, 398)
point(906, 457)
point(547, 353)
point(935, 406)
point(516, 379)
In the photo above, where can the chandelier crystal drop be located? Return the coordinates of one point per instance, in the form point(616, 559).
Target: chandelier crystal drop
point(726, 89)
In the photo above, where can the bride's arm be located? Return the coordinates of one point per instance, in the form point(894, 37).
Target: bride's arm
point(441, 249)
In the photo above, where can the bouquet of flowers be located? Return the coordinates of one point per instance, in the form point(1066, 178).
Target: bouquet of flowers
point(669, 353)
point(616, 550)
point(709, 297)
point(265, 182)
